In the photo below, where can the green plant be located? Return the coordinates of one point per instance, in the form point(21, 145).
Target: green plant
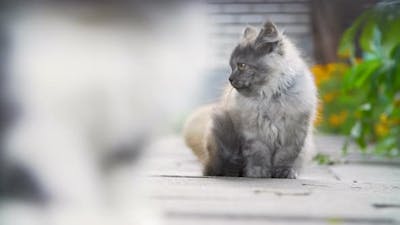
point(335, 112)
point(323, 159)
point(375, 78)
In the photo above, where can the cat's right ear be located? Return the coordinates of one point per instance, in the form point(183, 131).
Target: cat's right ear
point(268, 38)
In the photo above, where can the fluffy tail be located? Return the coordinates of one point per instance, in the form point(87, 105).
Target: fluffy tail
point(195, 131)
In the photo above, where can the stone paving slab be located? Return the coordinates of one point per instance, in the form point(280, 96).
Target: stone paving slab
point(339, 194)
point(275, 221)
point(367, 173)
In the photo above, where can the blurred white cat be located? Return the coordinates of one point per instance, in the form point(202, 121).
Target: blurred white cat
point(92, 84)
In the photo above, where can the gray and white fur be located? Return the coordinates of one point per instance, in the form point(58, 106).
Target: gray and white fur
point(263, 126)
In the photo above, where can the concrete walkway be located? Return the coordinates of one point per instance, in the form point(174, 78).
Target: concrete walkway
point(363, 190)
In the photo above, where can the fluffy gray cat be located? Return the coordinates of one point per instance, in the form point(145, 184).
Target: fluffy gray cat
point(262, 127)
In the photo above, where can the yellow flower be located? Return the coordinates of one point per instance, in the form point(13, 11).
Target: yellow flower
point(318, 116)
point(328, 97)
point(383, 118)
point(359, 60)
point(338, 119)
point(334, 120)
point(323, 73)
point(341, 68)
point(331, 68)
point(319, 73)
point(381, 129)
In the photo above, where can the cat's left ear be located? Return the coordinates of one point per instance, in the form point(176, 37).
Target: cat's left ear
point(268, 38)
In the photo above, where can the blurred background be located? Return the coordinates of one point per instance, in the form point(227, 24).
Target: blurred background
point(118, 73)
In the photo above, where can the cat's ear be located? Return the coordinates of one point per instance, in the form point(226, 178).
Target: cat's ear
point(268, 38)
point(249, 33)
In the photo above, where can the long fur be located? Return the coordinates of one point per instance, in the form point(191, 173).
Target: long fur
point(226, 157)
point(265, 123)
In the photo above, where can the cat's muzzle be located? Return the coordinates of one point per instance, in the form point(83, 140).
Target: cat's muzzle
point(239, 85)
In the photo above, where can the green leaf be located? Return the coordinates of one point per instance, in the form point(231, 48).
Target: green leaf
point(356, 130)
point(359, 74)
point(368, 68)
point(370, 39)
point(385, 146)
point(345, 147)
point(375, 81)
point(365, 107)
point(389, 22)
point(395, 53)
point(346, 44)
point(323, 159)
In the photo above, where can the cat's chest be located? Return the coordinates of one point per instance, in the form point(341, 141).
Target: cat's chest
point(261, 120)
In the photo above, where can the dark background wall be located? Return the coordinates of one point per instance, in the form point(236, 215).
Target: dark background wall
point(329, 20)
point(229, 17)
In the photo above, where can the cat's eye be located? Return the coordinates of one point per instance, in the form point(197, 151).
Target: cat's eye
point(241, 66)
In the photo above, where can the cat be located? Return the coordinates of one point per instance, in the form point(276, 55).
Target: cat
point(262, 126)
point(93, 85)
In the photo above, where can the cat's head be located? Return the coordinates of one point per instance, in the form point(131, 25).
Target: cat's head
point(257, 59)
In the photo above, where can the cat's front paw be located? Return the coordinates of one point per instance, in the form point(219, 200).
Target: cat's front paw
point(258, 172)
point(226, 169)
point(284, 172)
point(224, 172)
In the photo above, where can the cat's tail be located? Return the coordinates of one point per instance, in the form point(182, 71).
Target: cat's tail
point(196, 129)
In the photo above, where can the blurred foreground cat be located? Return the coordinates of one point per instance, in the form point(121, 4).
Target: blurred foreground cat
point(85, 79)
point(262, 127)
point(72, 154)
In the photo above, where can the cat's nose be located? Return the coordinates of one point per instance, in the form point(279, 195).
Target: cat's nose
point(230, 79)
